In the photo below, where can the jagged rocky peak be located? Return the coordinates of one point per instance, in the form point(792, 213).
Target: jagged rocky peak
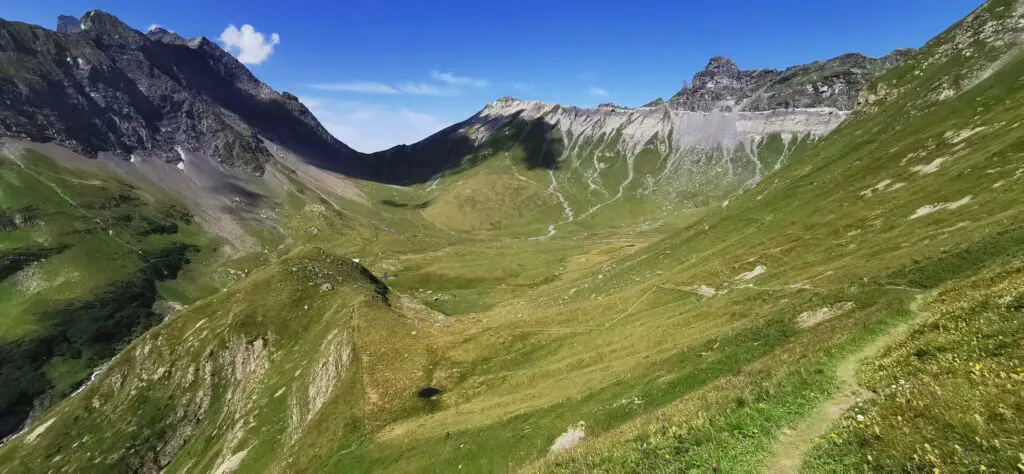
point(612, 105)
point(507, 100)
point(722, 65)
point(68, 24)
point(164, 36)
point(835, 84)
point(109, 88)
point(103, 22)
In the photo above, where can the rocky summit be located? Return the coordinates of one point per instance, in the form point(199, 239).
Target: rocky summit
point(96, 85)
point(834, 83)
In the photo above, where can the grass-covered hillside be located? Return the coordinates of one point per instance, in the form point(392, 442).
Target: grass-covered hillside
point(855, 310)
point(83, 258)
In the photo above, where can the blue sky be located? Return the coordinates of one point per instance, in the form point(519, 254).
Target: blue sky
point(383, 72)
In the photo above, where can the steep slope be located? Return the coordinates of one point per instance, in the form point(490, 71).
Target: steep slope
point(720, 135)
point(83, 254)
point(100, 86)
point(247, 380)
point(690, 345)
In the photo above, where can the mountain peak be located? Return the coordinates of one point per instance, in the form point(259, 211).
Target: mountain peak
point(104, 23)
point(834, 83)
point(164, 36)
point(722, 64)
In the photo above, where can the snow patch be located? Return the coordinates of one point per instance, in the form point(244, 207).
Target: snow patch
point(760, 269)
point(570, 439)
point(930, 208)
point(181, 153)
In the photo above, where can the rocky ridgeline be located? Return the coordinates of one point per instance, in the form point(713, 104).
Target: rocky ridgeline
point(96, 85)
point(835, 84)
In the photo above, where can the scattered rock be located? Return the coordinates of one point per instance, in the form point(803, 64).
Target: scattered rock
point(705, 291)
point(752, 274)
point(326, 287)
point(810, 318)
point(930, 208)
point(570, 439)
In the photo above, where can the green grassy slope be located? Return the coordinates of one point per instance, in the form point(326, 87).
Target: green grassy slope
point(681, 344)
point(82, 256)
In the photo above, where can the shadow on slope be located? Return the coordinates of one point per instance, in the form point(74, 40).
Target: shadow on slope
point(453, 150)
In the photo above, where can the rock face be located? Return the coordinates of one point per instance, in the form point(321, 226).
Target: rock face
point(723, 110)
point(100, 86)
point(835, 83)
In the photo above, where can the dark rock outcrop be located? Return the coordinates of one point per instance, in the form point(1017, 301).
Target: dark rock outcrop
point(835, 83)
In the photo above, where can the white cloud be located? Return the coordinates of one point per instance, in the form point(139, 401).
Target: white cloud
point(419, 88)
point(363, 87)
point(370, 127)
point(598, 92)
point(522, 86)
point(251, 46)
point(153, 27)
point(373, 87)
point(454, 80)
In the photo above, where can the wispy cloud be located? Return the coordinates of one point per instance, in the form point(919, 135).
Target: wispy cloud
point(522, 86)
point(374, 87)
point(247, 44)
point(370, 127)
point(420, 88)
point(444, 83)
point(455, 80)
point(599, 92)
point(362, 87)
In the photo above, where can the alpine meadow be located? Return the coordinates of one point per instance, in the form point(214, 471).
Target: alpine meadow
point(811, 269)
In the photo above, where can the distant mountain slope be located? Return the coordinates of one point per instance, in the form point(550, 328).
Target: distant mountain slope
point(551, 164)
point(827, 89)
point(99, 86)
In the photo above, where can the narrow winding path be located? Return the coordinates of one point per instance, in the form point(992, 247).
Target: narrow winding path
point(794, 443)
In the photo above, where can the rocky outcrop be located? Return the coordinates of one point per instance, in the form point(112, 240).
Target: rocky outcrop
point(655, 103)
point(100, 86)
point(835, 83)
point(724, 108)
